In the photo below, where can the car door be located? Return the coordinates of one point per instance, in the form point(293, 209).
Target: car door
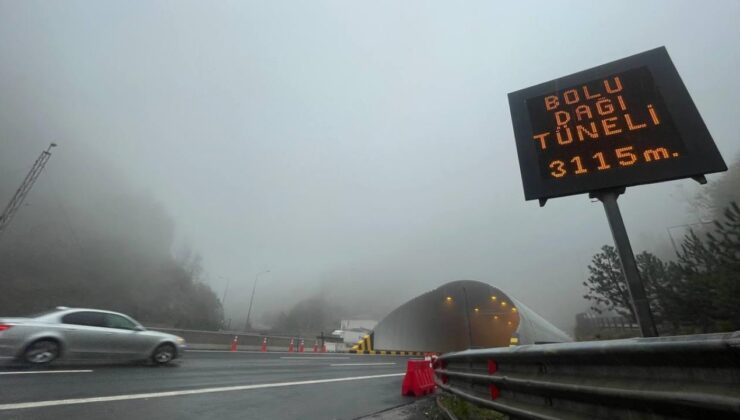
point(126, 340)
point(85, 334)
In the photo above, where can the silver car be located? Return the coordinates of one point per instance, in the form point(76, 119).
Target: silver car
point(74, 333)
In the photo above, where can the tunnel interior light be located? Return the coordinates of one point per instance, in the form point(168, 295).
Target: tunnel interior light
point(493, 297)
point(476, 309)
point(513, 309)
point(448, 298)
point(495, 317)
point(508, 323)
point(503, 303)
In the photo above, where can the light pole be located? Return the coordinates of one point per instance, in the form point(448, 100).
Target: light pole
point(223, 301)
point(251, 299)
point(226, 289)
point(688, 225)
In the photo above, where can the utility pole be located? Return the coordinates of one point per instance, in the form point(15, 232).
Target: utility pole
point(687, 225)
point(223, 302)
point(251, 299)
point(226, 289)
point(20, 195)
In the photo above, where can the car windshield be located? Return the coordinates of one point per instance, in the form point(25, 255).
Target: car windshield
point(237, 188)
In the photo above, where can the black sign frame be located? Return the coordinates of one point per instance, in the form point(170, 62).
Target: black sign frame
point(702, 156)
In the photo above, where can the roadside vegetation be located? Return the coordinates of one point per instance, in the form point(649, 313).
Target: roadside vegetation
point(464, 410)
point(698, 291)
point(106, 245)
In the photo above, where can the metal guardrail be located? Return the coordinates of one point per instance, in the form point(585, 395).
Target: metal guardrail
point(695, 376)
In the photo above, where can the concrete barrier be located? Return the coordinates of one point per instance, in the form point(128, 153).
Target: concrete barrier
point(221, 340)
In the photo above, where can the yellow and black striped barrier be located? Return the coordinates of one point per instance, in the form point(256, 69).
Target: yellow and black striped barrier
point(389, 352)
point(513, 341)
point(365, 346)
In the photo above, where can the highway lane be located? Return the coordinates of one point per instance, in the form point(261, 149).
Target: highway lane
point(208, 385)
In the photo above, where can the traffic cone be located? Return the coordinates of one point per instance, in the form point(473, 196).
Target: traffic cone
point(264, 344)
point(290, 346)
point(301, 347)
point(234, 343)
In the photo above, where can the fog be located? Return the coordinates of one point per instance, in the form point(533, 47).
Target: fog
point(359, 151)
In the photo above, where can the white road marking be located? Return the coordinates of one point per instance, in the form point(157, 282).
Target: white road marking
point(361, 364)
point(37, 404)
point(29, 372)
point(313, 358)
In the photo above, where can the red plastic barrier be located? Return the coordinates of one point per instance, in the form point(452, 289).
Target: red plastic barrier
point(264, 344)
point(419, 379)
point(234, 343)
point(290, 346)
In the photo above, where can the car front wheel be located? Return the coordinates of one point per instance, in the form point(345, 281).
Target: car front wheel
point(41, 352)
point(163, 354)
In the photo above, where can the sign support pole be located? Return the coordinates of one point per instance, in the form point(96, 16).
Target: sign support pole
point(636, 288)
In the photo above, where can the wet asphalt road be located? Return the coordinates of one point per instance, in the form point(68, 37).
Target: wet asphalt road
point(208, 385)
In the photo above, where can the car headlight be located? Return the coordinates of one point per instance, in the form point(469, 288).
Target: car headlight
point(180, 340)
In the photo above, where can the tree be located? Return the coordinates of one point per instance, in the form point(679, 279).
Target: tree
point(94, 241)
point(309, 316)
point(725, 243)
point(710, 273)
point(700, 292)
point(720, 194)
point(660, 288)
point(606, 285)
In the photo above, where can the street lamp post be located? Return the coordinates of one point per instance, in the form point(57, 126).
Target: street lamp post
point(251, 299)
point(226, 289)
point(688, 225)
point(223, 302)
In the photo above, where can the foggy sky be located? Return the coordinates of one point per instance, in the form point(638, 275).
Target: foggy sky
point(362, 150)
